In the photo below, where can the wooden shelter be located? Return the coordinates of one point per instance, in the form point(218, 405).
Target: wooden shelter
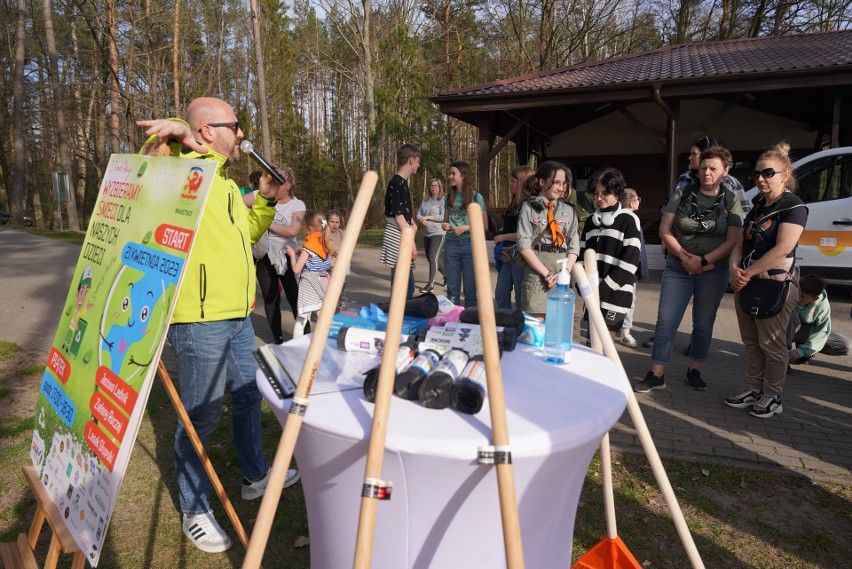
point(641, 112)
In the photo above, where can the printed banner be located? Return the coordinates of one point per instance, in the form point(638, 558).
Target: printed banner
point(105, 353)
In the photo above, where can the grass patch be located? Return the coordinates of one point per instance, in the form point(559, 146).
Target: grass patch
point(35, 369)
point(74, 237)
point(370, 238)
point(7, 349)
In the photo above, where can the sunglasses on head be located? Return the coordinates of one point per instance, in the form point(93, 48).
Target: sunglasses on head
point(766, 173)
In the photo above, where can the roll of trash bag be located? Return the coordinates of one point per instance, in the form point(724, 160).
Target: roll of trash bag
point(505, 317)
point(435, 390)
point(423, 306)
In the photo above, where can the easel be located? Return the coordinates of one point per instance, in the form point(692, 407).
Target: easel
point(21, 552)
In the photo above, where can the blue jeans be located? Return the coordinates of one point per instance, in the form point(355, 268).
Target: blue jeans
point(678, 287)
point(509, 277)
point(458, 265)
point(213, 356)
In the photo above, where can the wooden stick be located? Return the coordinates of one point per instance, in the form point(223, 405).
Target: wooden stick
point(384, 391)
point(590, 261)
point(641, 427)
point(202, 454)
point(293, 424)
point(494, 379)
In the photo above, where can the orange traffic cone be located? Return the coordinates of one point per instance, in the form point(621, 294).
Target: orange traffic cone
point(608, 553)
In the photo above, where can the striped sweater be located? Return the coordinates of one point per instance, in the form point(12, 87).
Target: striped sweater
point(618, 249)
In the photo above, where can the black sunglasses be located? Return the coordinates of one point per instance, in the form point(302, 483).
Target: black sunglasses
point(234, 126)
point(766, 173)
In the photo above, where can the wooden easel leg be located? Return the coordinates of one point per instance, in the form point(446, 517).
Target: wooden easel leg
point(202, 454)
point(52, 553)
point(35, 527)
point(79, 561)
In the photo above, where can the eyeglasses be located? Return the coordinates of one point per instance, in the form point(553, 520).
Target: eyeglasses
point(766, 173)
point(234, 126)
point(601, 196)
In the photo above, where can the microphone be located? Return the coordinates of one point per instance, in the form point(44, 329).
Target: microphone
point(248, 148)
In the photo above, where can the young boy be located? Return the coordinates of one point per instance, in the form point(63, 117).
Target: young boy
point(398, 211)
point(631, 201)
point(809, 330)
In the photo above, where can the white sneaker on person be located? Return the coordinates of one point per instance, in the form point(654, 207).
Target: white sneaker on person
point(254, 490)
point(205, 533)
point(628, 340)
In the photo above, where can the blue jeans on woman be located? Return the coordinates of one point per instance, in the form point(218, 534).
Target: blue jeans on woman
point(678, 287)
point(458, 266)
point(508, 278)
point(213, 356)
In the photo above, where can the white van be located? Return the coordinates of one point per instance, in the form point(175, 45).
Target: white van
point(825, 185)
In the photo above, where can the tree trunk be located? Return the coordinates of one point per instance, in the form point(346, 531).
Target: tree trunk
point(16, 199)
point(176, 76)
point(114, 116)
point(370, 88)
point(59, 107)
point(261, 80)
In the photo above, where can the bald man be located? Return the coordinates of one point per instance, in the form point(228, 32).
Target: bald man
point(211, 332)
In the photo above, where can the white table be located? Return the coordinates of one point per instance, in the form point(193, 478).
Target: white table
point(445, 511)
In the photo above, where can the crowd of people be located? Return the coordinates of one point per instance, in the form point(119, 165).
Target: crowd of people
point(708, 241)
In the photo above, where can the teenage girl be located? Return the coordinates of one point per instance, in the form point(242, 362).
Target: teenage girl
point(312, 266)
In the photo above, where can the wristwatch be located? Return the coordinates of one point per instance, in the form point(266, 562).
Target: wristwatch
point(704, 262)
point(271, 202)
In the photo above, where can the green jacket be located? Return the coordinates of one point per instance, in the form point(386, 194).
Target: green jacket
point(219, 278)
point(818, 315)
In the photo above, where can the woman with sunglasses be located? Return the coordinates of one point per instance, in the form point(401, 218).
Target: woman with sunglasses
point(547, 232)
point(613, 233)
point(700, 227)
point(766, 250)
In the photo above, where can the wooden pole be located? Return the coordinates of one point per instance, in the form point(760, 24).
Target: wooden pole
point(641, 427)
point(384, 391)
point(293, 424)
point(202, 454)
point(496, 399)
point(590, 261)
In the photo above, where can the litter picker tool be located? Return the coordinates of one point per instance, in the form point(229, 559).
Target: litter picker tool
point(497, 401)
point(293, 424)
point(374, 488)
point(596, 320)
point(610, 552)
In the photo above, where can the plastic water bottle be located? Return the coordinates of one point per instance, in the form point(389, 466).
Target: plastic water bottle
point(559, 319)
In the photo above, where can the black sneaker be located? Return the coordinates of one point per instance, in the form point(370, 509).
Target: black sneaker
point(649, 343)
point(650, 382)
point(766, 406)
point(743, 399)
point(693, 378)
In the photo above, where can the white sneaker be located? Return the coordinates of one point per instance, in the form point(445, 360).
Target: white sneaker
point(254, 490)
point(205, 534)
point(628, 340)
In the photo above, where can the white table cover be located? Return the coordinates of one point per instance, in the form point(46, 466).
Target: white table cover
point(445, 510)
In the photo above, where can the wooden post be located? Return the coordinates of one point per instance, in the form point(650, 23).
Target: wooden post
point(293, 424)
point(496, 399)
point(384, 392)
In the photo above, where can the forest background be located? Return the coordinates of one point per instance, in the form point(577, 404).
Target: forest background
point(330, 88)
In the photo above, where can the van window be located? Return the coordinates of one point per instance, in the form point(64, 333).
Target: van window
point(828, 178)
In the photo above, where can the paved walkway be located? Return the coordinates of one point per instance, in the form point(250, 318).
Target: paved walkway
point(813, 437)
